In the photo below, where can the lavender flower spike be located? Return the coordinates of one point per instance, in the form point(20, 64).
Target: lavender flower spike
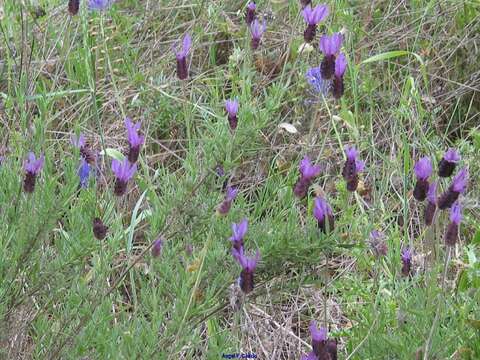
point(451, 234)
point(32, 168)
point(80, 143)
point(250, 15)
point(181, 55)
point(308, 172)
point(338, 87)
point(422, 169)
point(323, 214)
point(458, 186)
point(448, 163)
point(312, 18)
point(73, 7)
point(99, 229)
point(314, 78)
point(406, 257)
point(225, 205)
point(239, 230)
point(310, 356)
point(123, 171)
point(323, 348)
point(99, 5)
point(377, 243)
point(257, 31)
point(134, 139)
point(431, 203)
point(157, 247)
point(353, 165)
point(232, 109)
point(84, 173)
point(249, 265)
point(330, 47)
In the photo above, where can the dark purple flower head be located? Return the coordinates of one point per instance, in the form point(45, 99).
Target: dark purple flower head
point(330, 45)
point(123, 171)
point(185, 49)
point(340, 65)
point(353, 165)
point(352, 155)
point(308, 170)
point(248, 265)
point(377, 243)
point(157, 247)
point(448, 163)
point(323, 214)
point(225, 205)
point(456, 213)
point(257, 30)
point(33, 165)
point(99, 229)
point(250, 15)
point(134, 139)
point(318, 334)
point(84, 173)
point(315, 15)
point(406, 257)
point(99, 5)
point(239, 230)
point(432, 193)
point(73, 7)
point(423, 168)
point(318, 84)
point(78, 141)
point(460, 181)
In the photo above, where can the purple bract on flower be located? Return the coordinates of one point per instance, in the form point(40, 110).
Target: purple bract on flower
point(84, 173)
point(406, 257)
point(257, 30)
point(32, 167)
point(323, 214)
point(225, 205)
point(310, 356)
point(423, 170)
point(338, 87)
point(80, 143)
point(451, 234)
point(232, 110)
point(431, 203)
point(99, 5)
point(330, 47)
point(239, 230)
point(157, 247)
point(318, 84)
point(181, 55)
point(249, 265)
point(448, 163)
point(458, 186)
point(308, 172)
point(123, 171)
point(135, 140)
point(353, 165)
point(312, 18)
point(250, 15)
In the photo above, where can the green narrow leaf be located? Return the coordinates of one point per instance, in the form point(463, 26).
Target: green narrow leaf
point(386, 56)
point(113, 153)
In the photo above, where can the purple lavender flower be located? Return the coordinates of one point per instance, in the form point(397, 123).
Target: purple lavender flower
point(134, 139)
point(377, 243)
point(225, 205)
point(99, 5)
point(406, 262)
point(250, 15)
point(232, 109)
point(257, 30)
point(123, 171)
point(422, 169)
point(448, 163)
point(239, 230)
point(73, 7)
point(157, 247)
point(181, 55)
point(99, 229)
point(310, 356)
point(323, 214)
point(308, 173)
point(451, 234)
point(353, 165)
point(249, 265)
point(84, 173)
point(338, 87)
point(431, 203)
point(458, 186)
point(323, 348)
point(32, 168)
point(330, 47)
point(314, 78)
point(80, 143)
point(312, 18)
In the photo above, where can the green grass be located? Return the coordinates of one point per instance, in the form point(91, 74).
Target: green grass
point(412, 90)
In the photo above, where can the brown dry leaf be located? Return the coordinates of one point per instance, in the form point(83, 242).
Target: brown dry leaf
point(193, 266)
